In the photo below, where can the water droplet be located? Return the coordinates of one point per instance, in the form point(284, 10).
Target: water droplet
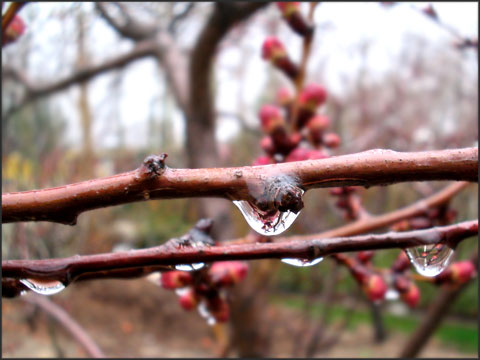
point(430, 260)
point(23, 292)
point(43, 287)
point(190, 267)
point(181, 291)
point(204, 313)
point(266, 224)
point(391, 294)
point(146, 195)
point(302, 262)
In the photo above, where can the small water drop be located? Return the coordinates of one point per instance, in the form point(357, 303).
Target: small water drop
point(181, 291)
point(266, 224)
point(23, 292)
point(302, 262)
point(190, 267)
point(146, 195)
point(204, 313)
point(430, 260)
point(391, 294)
point(43, 287)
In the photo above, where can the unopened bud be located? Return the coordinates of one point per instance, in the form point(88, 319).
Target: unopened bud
point(274, 51)
point(291, 13)
point(14, 30)
point(227, 273)
point(375, 287)
point(175, 279)
point(331, 140)
point(189, 299)
point(412, 295)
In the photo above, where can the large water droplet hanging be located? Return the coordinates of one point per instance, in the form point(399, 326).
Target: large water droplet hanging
point(302, 262)
point(43, 287)
point(263, 223)
point(190, 267)
point(430, 260)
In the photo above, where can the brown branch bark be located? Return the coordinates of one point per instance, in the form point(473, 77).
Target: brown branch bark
point(59, 314)
point(375, 167)
point(70, 269)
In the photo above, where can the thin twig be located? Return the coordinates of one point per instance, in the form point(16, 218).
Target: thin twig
point(59, 314)
point(375, 167)
point(300, 79)
point(70, 269)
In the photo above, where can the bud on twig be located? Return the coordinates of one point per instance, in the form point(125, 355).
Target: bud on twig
point(291, 13)
point(14, 30)
point(274, 51)
point(189, 299)
point(175, 279)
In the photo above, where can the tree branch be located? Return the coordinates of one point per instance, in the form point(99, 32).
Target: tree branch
point(131, 28)
point(157, 258)
point(33, 91)
point(153, 180)
point(67, 322)
point(375, 222)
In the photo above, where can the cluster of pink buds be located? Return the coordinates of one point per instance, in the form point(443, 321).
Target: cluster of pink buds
point(203, 289)
point(14, 30)
point(306, 136)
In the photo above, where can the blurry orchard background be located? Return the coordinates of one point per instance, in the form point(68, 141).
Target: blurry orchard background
point(396, 80)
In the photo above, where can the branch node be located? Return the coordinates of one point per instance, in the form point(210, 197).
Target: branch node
point(153, 165)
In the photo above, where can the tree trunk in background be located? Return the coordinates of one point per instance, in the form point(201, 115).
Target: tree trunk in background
point(249, 336)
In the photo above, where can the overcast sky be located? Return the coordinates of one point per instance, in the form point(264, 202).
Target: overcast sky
point(348, 25)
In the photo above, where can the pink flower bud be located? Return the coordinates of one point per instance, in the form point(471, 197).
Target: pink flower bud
point(271, 118)
point(175, 279)
point(288, 7)
point(189, 299)
point(462, 271)
point(300, 154)
point(14, 30)
point(291, 13)
point(365, 256)
point(267, 145)
point(375, 287)
point(262, 160)
point(227, 273)
point(312, 96)
point(274, 51)
point(331, 140)
point(412, 295)
point(284, 96)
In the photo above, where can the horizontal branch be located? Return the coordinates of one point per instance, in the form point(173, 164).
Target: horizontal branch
point(154, 180)
point(372, 223)
point(167, 255)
